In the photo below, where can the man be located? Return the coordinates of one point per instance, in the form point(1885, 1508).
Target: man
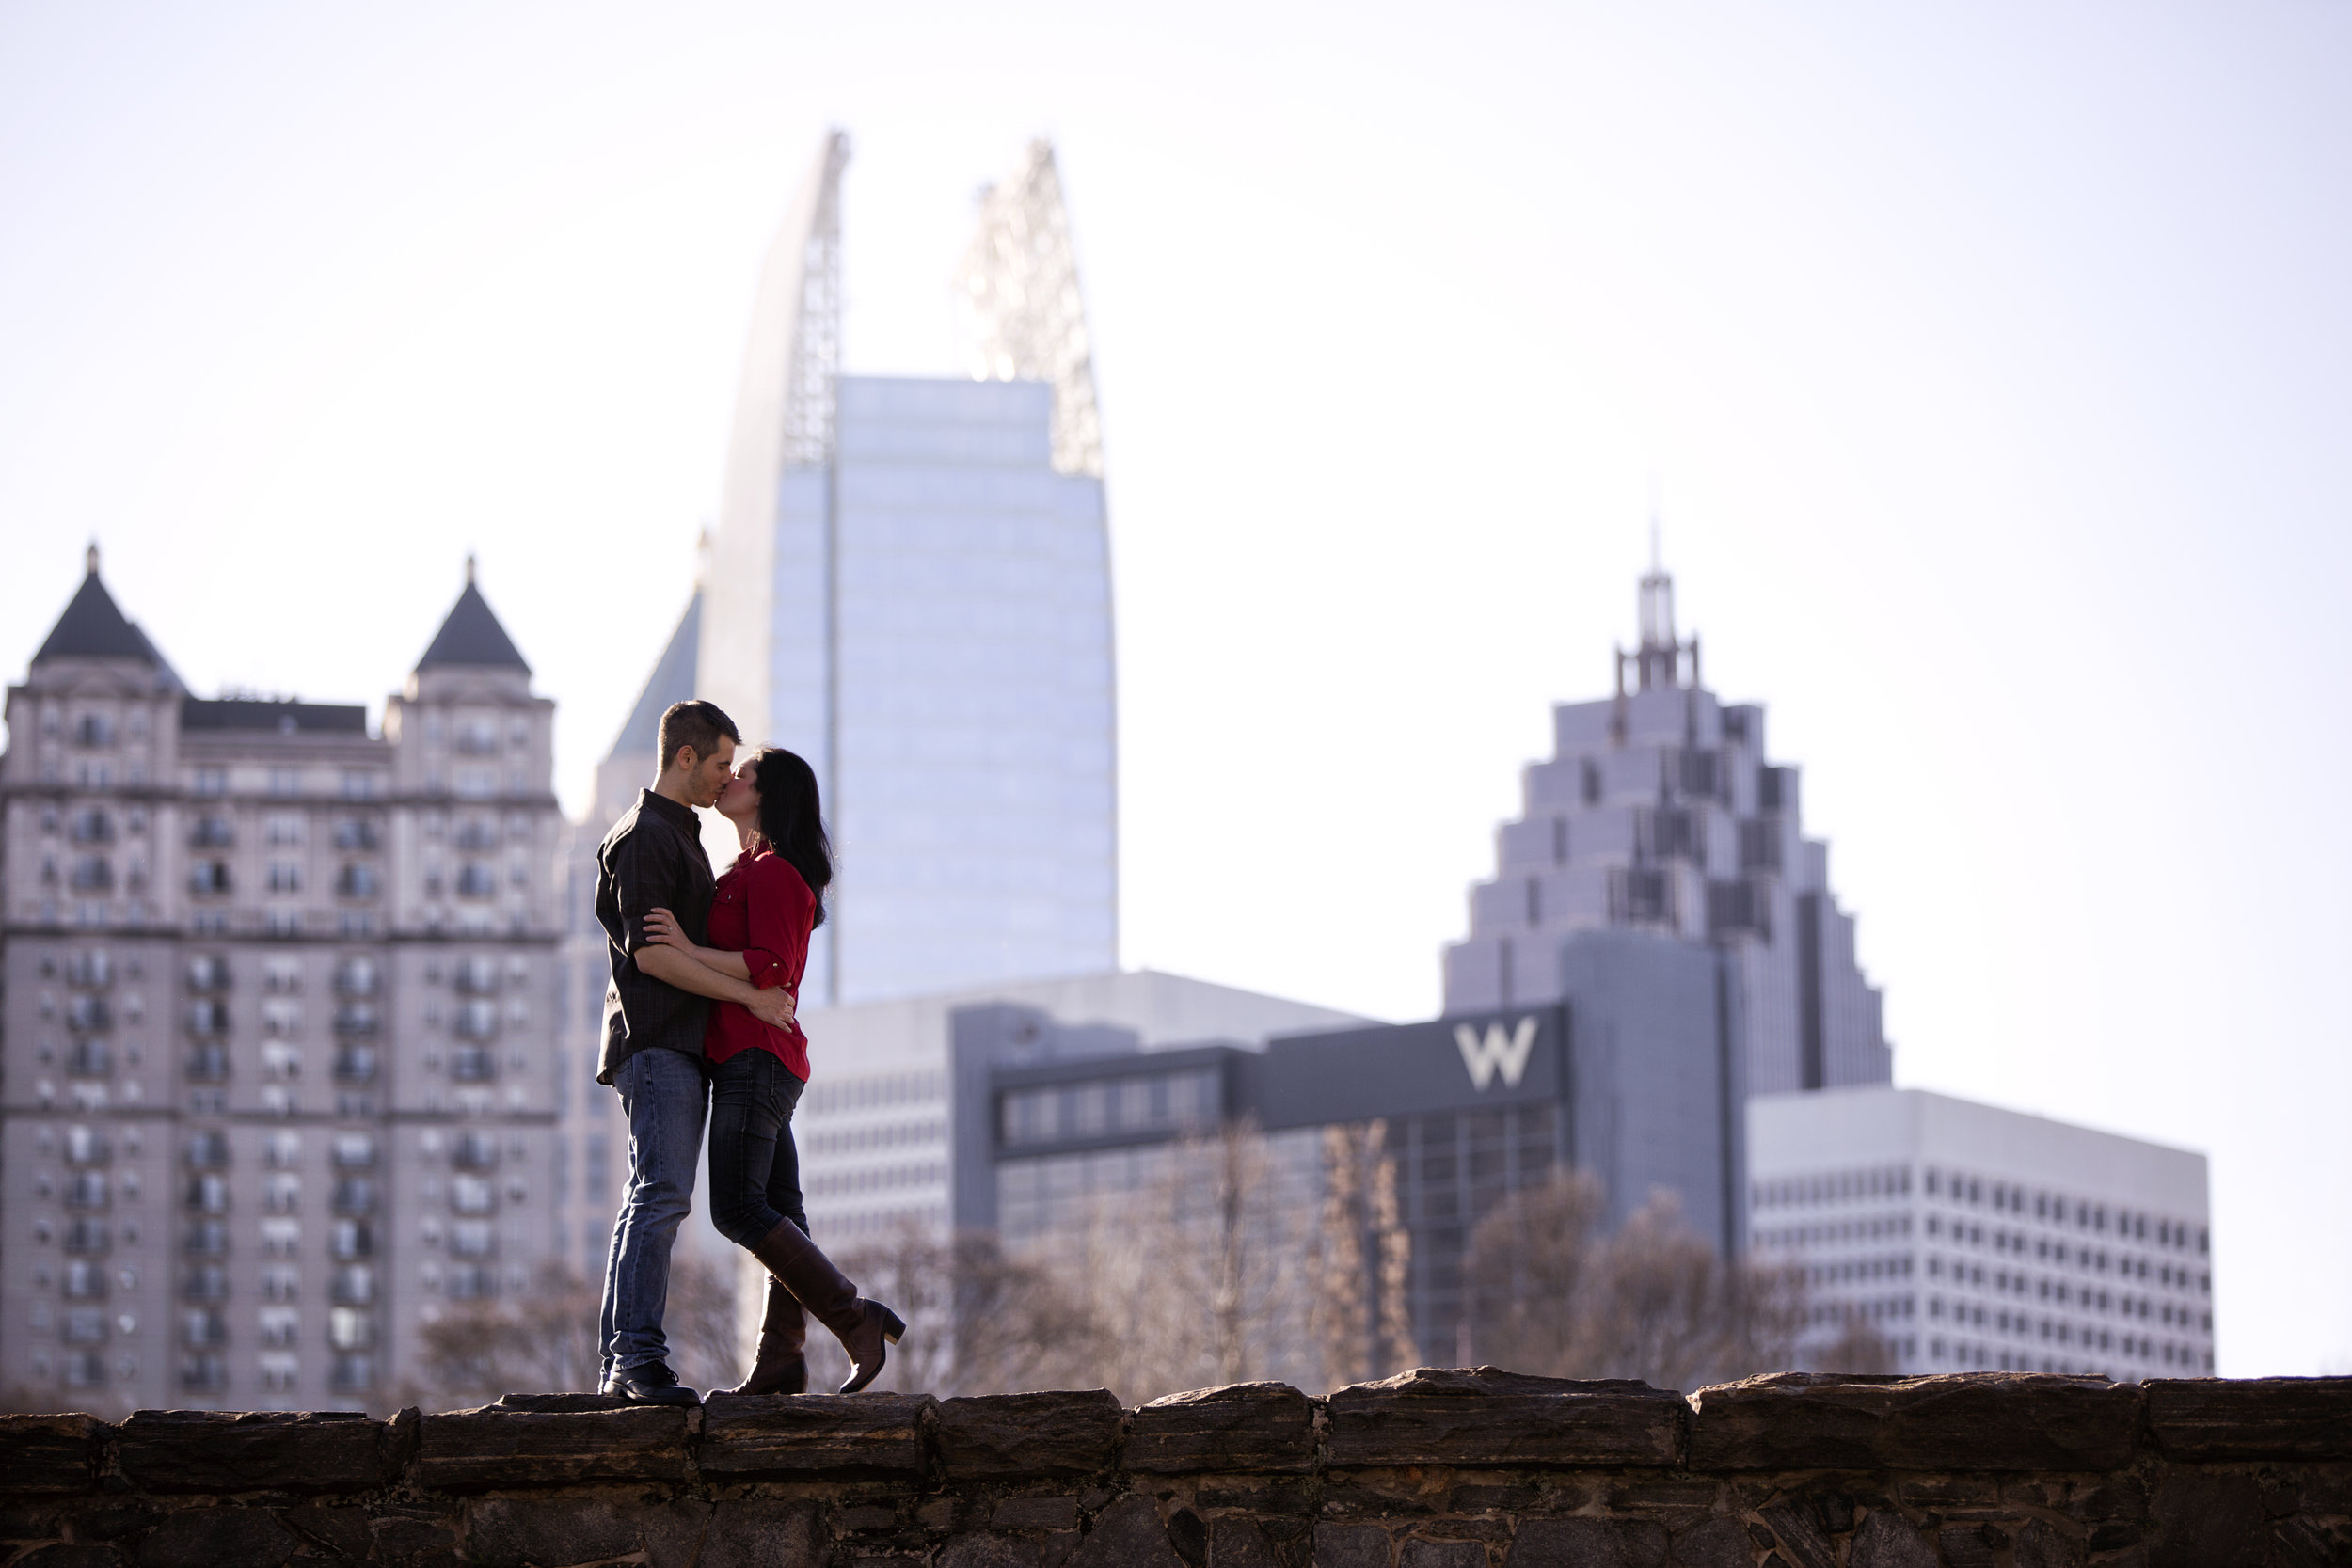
point(653, 1012)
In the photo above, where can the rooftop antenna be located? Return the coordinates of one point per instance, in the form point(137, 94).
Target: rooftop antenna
point(1657, 660)
point(470, 568)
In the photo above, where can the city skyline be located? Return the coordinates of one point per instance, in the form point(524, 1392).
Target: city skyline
point(1988, 364)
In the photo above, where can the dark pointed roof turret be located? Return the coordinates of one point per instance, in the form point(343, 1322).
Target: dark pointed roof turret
point(94, 626)
point(472, 634)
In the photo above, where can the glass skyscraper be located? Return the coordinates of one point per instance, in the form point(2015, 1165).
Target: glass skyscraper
point(910, 585)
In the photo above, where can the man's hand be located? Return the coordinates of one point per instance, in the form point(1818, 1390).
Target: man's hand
point(772, 1007)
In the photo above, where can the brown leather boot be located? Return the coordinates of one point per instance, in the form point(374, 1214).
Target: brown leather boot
point(780, 1367)
point(866, 1329)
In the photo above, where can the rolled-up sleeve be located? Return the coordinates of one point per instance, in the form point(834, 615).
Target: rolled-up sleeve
point(777, 911)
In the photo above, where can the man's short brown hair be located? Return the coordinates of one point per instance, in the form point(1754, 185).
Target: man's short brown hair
point(696, 724)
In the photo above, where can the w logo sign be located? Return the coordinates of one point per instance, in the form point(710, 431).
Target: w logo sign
point(1498, 1052)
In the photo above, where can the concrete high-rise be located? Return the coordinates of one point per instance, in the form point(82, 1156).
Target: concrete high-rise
point(277, 1051)
point(1660, 812)
point(910, 585)
point(1967, 1237)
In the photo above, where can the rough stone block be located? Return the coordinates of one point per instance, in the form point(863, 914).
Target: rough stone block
point(48, 1454)
point(813, 1435)
point(1240, 1544)
point(1441, 1554)
point(1189, 1534)
point(415, 1535)
point(203, 1537)
point(1586, 1542)
point(1804, 1538)
point(1127, 1534)
point(1487, 1417)
point(467, 1449)
point(1720, 1542)
point(1058, 1433)
point(764, 1532)
point(2255, 1418)
point(989, 1551)
point(1266, 1427)
point(205, 1451)
point(2206, 1520)
point(2042, 1545)
point(1035, 1513)
point(514, 1532)
point(1351, 1546)
point(1968, 1421)
point(83, 1554)
point(1887, 1540)
point(341, 1531)
point(561, 1405)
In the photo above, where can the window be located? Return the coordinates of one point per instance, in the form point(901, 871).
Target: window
point(349, 1328)
point(285, 781)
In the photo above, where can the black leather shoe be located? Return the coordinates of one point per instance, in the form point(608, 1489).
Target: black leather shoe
point(651, 1384)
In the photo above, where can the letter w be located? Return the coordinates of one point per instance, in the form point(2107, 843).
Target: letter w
point(1498, 1050)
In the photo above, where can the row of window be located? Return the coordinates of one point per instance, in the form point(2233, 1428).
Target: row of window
point(874, 1179)
point(2057, 1254)
point(881, 1135)
point(279, 830)
point(827, 1096)
point(352, 783)
point(2054, 1209)
point(1846, 1186)
point(1161, 1101)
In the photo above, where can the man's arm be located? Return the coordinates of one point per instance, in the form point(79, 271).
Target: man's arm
point(672, 967)
point(643, 879)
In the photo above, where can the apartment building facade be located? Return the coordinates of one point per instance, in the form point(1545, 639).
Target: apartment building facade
point(276, 1046)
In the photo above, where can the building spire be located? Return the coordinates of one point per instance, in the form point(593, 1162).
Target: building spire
point(1018, 291)
point(1657, 660)
point(92, 557)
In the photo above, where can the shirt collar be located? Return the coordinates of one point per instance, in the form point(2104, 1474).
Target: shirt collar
point(669, 810)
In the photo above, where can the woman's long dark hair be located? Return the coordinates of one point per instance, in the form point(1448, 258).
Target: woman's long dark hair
point(792, 819)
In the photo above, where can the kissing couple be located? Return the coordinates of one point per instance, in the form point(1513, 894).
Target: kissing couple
point(700, 1023)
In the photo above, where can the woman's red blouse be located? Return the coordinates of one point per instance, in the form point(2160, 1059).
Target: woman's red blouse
point(762, 910)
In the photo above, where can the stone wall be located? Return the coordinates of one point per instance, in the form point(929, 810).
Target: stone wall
point(1432, 1470)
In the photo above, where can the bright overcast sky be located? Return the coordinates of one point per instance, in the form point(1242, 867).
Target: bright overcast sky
point(1990, 361)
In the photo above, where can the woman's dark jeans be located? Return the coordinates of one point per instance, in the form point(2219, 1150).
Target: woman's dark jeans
point(754, 1168)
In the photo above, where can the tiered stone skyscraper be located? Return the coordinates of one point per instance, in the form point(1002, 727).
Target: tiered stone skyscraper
point(1659, 811)
point(265, 971)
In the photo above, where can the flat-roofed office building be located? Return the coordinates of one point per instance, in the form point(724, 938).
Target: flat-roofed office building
point(1394, 1140)
point(1967, 1237)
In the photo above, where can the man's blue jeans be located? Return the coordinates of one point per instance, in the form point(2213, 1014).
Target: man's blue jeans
point(665, 1097)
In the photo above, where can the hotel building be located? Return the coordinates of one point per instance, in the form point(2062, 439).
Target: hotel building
point(277, 1045)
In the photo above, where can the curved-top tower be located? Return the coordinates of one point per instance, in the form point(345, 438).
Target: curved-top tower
point(910, 585)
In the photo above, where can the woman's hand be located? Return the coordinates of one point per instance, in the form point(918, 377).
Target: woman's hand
point(662, 926)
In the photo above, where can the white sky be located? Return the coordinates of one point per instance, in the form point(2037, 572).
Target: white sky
point(1991, 362)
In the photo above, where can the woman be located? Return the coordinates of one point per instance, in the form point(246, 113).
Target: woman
point(761, 915)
